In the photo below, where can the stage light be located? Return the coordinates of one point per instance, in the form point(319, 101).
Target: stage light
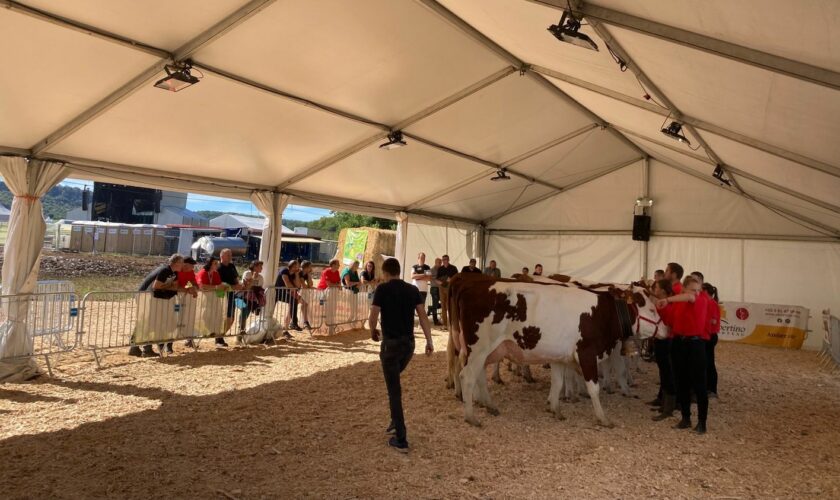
point(177, 77)
point(674, 131)
point(719, 175)
point(395, 140)
point(567, 30)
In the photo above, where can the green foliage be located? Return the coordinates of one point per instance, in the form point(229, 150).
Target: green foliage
point(57, 202)
point(332, 224)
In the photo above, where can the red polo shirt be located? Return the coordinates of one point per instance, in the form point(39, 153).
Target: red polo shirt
point(691, 318)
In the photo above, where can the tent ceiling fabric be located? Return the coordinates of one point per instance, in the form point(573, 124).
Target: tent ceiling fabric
point(305, 90)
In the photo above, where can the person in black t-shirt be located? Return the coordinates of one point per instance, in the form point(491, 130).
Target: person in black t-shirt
point(471, 268)
point(421, 275)
point(397, 301)
point(163, 281)
point(445, 272)
point(230, 276)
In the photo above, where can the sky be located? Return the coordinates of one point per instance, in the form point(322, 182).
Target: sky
point(205, 202)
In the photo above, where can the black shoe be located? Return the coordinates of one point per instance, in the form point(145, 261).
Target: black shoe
point(392, 429)
point(307, 325)
point(654, 402)
point(401, 447)
point(437, 323)
point(295, 327)
point(685, 423)
point(168, 348)
point(701, 428)
point(287, 335)
point(220, 342)
point(135, 351)
point(189, 343)
point(148, 352)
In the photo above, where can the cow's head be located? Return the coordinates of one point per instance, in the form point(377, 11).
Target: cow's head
point(647, 322)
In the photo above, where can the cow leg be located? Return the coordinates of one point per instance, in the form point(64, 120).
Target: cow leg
point(497, 378)
point(457, 369)
point(468, 377)
point(452, 364)
point(526, 374)
point(557, 372)
point(594, 393)
point(484, 396)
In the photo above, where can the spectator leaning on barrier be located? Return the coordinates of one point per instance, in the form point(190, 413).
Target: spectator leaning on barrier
point(330, 276)
point(471, 268)
point(492, 270)
point(253, 293)
point(350, 277)
point(230, 276)
point(397, 301)
point(304, 280)
point(369, 275)
point(287, 284)
point(163, 281)
point(209, 279)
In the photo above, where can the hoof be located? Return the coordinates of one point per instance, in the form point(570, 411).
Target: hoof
point(473, 422)
point(450, 385)
point(459, 397)
point(493, 411)
point(607, 424)
point(559, 416)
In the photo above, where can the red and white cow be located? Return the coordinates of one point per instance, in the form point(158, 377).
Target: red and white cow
point(535, 323)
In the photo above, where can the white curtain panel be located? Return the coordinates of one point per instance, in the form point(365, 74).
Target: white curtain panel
point(402, 237)
point(272, 206)
point(28, 181)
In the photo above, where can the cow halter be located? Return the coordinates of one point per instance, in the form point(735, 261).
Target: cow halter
point(640, 318)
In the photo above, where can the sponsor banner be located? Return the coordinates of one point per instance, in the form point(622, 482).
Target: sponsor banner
point(763, 324)
point(355, 242)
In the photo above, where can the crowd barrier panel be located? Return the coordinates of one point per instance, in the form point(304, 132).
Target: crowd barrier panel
point(49, 319)
point(830, 350)
point(110, 320)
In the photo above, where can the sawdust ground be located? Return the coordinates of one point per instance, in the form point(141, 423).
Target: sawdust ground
point(307, 418)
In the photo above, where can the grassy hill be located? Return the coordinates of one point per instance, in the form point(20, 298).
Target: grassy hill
point(57, 202)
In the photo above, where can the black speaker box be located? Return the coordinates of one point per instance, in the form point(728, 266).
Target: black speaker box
point(641, 227)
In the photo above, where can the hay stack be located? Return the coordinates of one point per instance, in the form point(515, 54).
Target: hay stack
point(379, 242)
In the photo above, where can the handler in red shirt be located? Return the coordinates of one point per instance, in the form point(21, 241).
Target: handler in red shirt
point(667, 397)
point(713, 328)
point(688, 351)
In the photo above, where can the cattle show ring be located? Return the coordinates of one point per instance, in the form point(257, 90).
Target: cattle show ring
point(420, 249)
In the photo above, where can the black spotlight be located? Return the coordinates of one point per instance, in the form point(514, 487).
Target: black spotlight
point(719, 175)
point(177, 77)
point(395, 140)
point(567, 30)
point(674, 131)
point(501, 175)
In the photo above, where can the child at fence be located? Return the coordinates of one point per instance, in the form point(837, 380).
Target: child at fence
point(286, 285)
point(253, 293)
point(188, 280)
point(212, 300)
point(397, 301)
point(303, 282)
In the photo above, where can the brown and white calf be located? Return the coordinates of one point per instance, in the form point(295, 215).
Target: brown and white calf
point(535, 323)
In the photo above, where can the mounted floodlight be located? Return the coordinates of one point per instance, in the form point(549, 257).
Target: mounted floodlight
point(644, 202)
point(177, 77)
point(501, 175)
point(395, 140)
point(719, 175)
point(567, 30)
point(674, 131)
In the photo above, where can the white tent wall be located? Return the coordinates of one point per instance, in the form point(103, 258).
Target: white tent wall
point(459, 241)
point(615, 258)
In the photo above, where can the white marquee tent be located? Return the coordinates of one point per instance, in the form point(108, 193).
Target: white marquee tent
point(297, 95)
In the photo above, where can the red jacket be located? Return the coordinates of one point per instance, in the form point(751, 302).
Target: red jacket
point(691, 318)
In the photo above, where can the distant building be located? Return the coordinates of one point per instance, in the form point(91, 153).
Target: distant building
point(254, 225)
point(135, 205)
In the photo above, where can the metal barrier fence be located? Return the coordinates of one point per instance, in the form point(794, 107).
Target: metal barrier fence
point(109, 320)
point(830, 350)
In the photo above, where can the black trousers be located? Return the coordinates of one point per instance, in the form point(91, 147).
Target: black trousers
point(688, 356)
point(662, 352)
point(395, 355)
point(435, 291)
point(711, 369)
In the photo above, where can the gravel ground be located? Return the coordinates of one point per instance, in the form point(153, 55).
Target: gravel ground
point(307, 419)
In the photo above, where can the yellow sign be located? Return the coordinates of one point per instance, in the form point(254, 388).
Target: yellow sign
point(764, 324)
